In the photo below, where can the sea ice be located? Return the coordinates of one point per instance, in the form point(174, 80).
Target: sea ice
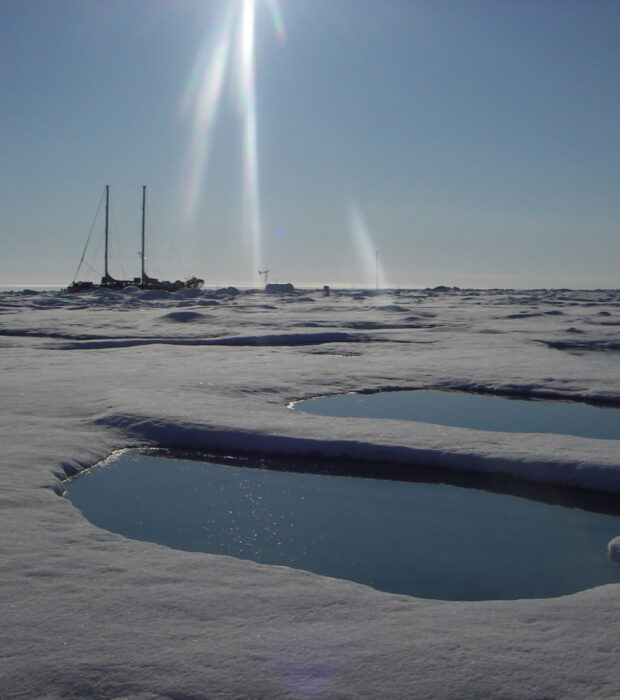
point(89, 613)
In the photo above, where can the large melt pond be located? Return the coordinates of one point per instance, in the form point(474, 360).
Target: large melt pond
point(423, 539)
point(479, 412)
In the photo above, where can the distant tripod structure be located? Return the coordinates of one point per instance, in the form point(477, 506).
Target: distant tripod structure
point(266, 273)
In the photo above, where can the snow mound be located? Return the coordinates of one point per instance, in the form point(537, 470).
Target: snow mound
point(154, 294)
point(393, 307)
point(613, 550)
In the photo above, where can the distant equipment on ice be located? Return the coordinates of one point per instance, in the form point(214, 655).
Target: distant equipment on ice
point(273, 287)
point(276, 287)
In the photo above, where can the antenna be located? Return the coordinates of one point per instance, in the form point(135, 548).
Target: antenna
point(142, 250)
point(106, 274)
point(266, 273)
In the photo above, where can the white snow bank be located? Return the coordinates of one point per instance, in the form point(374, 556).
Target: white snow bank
point(613, 550)
point(567, 463)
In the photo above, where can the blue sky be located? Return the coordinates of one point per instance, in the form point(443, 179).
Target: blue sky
point(470, 142)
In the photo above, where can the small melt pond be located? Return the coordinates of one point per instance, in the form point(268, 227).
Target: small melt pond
point(475, 411)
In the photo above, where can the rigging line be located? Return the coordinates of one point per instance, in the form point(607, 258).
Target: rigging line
point(92, 268)
point(173, 248)
point(90, 233)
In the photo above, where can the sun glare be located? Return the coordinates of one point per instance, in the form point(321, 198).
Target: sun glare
point(278, 22)
point(372, 269)
point(232, 40)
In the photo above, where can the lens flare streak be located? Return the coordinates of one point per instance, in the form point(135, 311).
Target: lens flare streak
point(372, 270)
point(234, 37)
point(278, 22)
point(251, 192)
point(206, 92)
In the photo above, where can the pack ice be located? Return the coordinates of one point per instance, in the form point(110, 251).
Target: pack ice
point(86, 613)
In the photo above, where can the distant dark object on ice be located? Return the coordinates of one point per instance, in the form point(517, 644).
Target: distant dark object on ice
point(286, 287)
point(443, 288)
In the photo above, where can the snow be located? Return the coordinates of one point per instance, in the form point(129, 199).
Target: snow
point(89, 613)
point(613, 550)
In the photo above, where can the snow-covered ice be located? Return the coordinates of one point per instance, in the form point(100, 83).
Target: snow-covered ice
point(89, 613)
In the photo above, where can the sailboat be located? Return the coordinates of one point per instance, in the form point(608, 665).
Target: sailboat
point(142, 282)
point(146, 282)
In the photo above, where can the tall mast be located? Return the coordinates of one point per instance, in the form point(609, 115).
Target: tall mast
point(106, 274)
point(142, 252)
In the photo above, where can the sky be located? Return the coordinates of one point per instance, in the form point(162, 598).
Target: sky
point(398, 143)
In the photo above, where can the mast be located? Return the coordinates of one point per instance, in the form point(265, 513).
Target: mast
point(142, 252)
point(106, 274)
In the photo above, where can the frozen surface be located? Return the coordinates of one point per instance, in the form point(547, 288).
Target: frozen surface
point(88, 613)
